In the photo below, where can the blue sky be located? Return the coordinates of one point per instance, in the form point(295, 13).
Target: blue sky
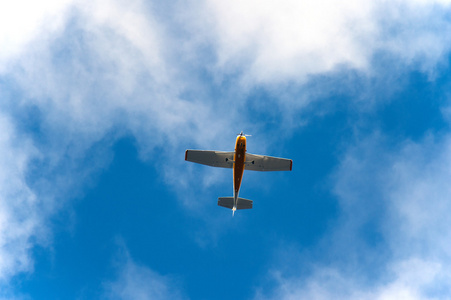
point(99, 100)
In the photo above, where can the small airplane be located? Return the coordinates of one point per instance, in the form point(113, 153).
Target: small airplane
point(238, 160)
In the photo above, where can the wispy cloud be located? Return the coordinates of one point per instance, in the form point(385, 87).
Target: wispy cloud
point(411, 279)
point(270, 43)
point(391, 239)
point(138, 282)
point(20, 222)
point(93, 71)
point(19, 26)
point(68, 93)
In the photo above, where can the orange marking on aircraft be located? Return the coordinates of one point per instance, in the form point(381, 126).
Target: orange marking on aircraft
point(238, 166)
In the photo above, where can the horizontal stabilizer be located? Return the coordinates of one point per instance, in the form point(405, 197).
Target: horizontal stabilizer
point(241, 203)
point(226, 202)
point(244, 203)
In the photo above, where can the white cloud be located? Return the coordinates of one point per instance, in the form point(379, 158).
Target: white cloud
point(101, 73)
point(404, 195)
point(291, 39)
point(97, 70)
point(20, 219)
point(272, 43)
point(23, 21)
point(117, 67)
point(139, 282)
point(408, 280)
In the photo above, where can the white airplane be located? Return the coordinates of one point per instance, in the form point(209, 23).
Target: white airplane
point(238, 160)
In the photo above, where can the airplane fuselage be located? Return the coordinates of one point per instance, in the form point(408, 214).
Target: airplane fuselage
point(238, 166)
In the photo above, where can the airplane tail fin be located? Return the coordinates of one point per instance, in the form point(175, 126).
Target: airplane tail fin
point(241, 203)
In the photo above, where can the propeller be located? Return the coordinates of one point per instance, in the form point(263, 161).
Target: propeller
point(242, 134)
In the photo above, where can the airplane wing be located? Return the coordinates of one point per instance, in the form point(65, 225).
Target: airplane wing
point(267, 163)
point(210, 158)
